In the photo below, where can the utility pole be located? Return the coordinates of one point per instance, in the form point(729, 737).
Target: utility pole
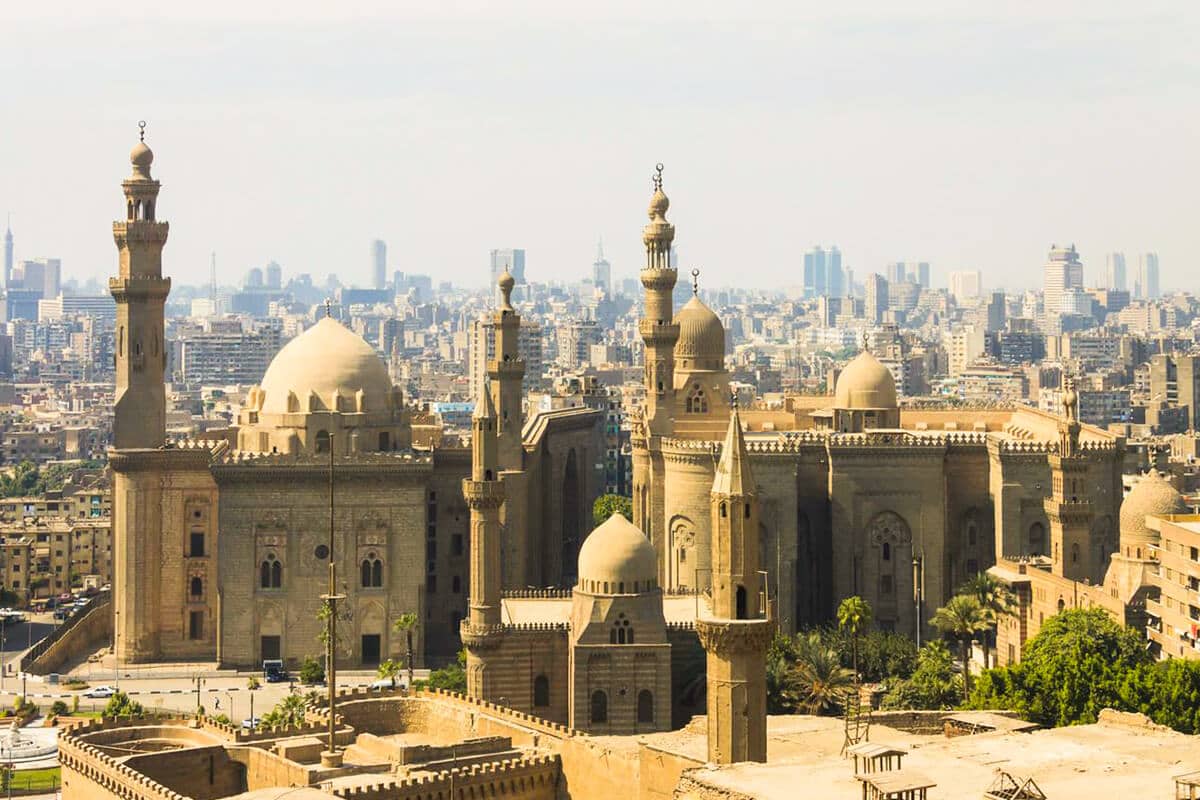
point(331, 757)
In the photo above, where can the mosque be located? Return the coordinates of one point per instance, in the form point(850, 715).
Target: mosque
point(222, 544)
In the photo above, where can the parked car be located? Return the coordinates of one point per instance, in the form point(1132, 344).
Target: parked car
point(398, 682)
point(100, 692)
point(252, 723)
point(273, 671)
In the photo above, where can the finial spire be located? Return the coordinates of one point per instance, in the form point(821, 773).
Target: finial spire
point(695, 282)
point(865, 340)
point(328, 307)
point(141, 130)
point(658, 168)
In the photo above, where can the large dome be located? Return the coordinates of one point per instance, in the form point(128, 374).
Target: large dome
point(865, 384)
point(617, 558)
point(326, 358)
point(701, 334)
point(1153, 494)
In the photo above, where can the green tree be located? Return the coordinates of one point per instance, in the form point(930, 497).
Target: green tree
point(253, 683)
point(819, 682)
point(608, 504)
point(407, 623)
point(781, 660)
point(961, 619)
point(853, 616)
point(451, 678)
point(58, 708)
point(1167, 691)
point(883, 655)
point(288, 713)
point(933, 685)
point(119, 705)
point(311, 670)
point(390, 670)
point(1079, 662)
point(996, 601)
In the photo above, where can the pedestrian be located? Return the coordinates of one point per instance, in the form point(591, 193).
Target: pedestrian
point(217, 704)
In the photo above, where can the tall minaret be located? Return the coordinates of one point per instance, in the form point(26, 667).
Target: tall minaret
point(736, 632)
point(140, 291)
point(482, 630)
point(1068, 509)
point(657, 325)
point(506, 371)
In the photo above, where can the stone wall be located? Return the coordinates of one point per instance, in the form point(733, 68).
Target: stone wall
point(92, 630)
point(203, 773)
point(923, 722)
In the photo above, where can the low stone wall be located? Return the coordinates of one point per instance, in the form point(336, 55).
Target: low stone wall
point(204, 773)
point(92, 630)
point(534, 778)
point(928, 723)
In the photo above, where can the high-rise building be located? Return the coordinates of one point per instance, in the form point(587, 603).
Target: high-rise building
point(877, 297)
point(512, 260)
point(379, 263)
point(815, 272)
point(274, 276)
point(996, 312)
point(8, 256)
point(1146, 286)
point(1114, 271)
point(835, 280)
point(602, 271)
point(966, 284)
point(482, 349)
point(923, 274)
point(253, 279)
point(1063, 271)
point(896, 272)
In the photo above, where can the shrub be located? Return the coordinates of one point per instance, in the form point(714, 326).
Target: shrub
point(312, 671)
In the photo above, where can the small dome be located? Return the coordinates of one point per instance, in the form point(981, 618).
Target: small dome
point(865, 384)
point(1153, 494)
point(615, 553)
point(327, 357)
point(141, 155)
point(658, 205)
point(506, 281)
point(701, 334)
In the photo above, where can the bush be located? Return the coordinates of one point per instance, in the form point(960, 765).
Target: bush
point(119, 705)
point(452, 678)
point(934, 684)
point(288, 713)
point(312, 671)
point(59, 708)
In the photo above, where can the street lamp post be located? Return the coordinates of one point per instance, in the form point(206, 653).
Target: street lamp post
point(331, 757)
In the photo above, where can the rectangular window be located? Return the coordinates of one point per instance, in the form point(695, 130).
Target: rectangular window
point(196, 545)
point(456, 584)
point(431, 549)
point(431, 584)
point(456, 544)
point(196, 625)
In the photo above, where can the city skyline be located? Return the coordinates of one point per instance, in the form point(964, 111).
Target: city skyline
point(412, 107)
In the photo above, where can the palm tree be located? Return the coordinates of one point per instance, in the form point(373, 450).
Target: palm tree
point(854, 615)
point(407, 623)
point(995, 599)
point(961, 618)
point(819, 682)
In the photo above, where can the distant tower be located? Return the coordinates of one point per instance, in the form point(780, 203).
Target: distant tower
point(212, 281)
point(482, 630)
point(657, 326)
point(8, 254)
point(602, 271)
point(379, 263)
point(737, 634)
point(506, 371)
point(1069, 511)
point(141, 292)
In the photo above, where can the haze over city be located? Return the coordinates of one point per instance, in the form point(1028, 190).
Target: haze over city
point(966, 137)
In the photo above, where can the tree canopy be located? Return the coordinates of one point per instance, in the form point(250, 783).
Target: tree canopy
point(608, 504)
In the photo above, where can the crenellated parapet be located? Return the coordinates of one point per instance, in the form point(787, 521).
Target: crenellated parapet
point(528, 776)
point(538, 594)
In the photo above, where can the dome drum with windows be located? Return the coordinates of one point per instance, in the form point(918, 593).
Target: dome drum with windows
point(326, 385)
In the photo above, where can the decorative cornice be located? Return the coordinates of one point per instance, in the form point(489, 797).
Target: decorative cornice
point(727, 637)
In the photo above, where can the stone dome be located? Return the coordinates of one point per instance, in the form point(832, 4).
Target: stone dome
point(865, 383)
point(617, 558)
point(141, 156)
point(326, 358)
point(658, 205)
point(701, 334)
point(1153, 494)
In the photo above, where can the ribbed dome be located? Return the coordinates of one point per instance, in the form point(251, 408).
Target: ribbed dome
point(617, 553)
point(701, 334)
point(865, 384)
point(1153, 494)
point(658, 205)
point(327, 357)
point(141, 155)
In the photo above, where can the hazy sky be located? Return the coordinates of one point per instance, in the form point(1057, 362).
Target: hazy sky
point(970, 135)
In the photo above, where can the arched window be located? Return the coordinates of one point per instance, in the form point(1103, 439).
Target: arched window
point(322, 441)
point(1037, 539)
point(1075, 554)
point(541, 691)
point(1061, 604)
point(887, 551)
point(741, 602)
point(385, 442)
point(372, 571)
point(270, 573)
point(697, 403)
point(599, 707)
point(645, 706)
point(621, 633)
point(197, 587)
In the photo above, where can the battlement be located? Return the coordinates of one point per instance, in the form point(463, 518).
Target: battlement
point(508, 714)
point(514, 776)
point(537, 594)
point(539, 627)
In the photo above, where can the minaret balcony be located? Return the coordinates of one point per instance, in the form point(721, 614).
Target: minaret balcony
point(727, 637)
point(654, 333)
point(659, 279)
point(139, 287)
point(480, 637)
point(133, 231)
point(506, 369)
point(483, 494)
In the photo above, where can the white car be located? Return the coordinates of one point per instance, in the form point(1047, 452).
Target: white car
point(399, 682)
point(251, 724)
point(100, 692)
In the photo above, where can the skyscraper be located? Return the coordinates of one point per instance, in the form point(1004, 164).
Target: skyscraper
point(966, 284)
point(602, 271)
point(1146, 286)
point(379, 263)
point(274, 276)
point(877, 297)
point(815, 272)
point(1063, 271)
point(835, 281)
point(896, 272)
point(8, 256)
point(923, 274)
point(1114, 271)
point(512, 260)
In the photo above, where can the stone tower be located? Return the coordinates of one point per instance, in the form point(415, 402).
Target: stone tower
point(736, 633)
point(506, 371)
point(1068, 509)
point(482, 630)
point(141, 292)
point(657, 325)
point(139, 424)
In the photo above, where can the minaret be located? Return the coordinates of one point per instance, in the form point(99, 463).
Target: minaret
point(657, 325)
point(1069, 511)
point(482, 630)
point(140, 291)
point(8, 254)
point(736, 632)
point(506, 371)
